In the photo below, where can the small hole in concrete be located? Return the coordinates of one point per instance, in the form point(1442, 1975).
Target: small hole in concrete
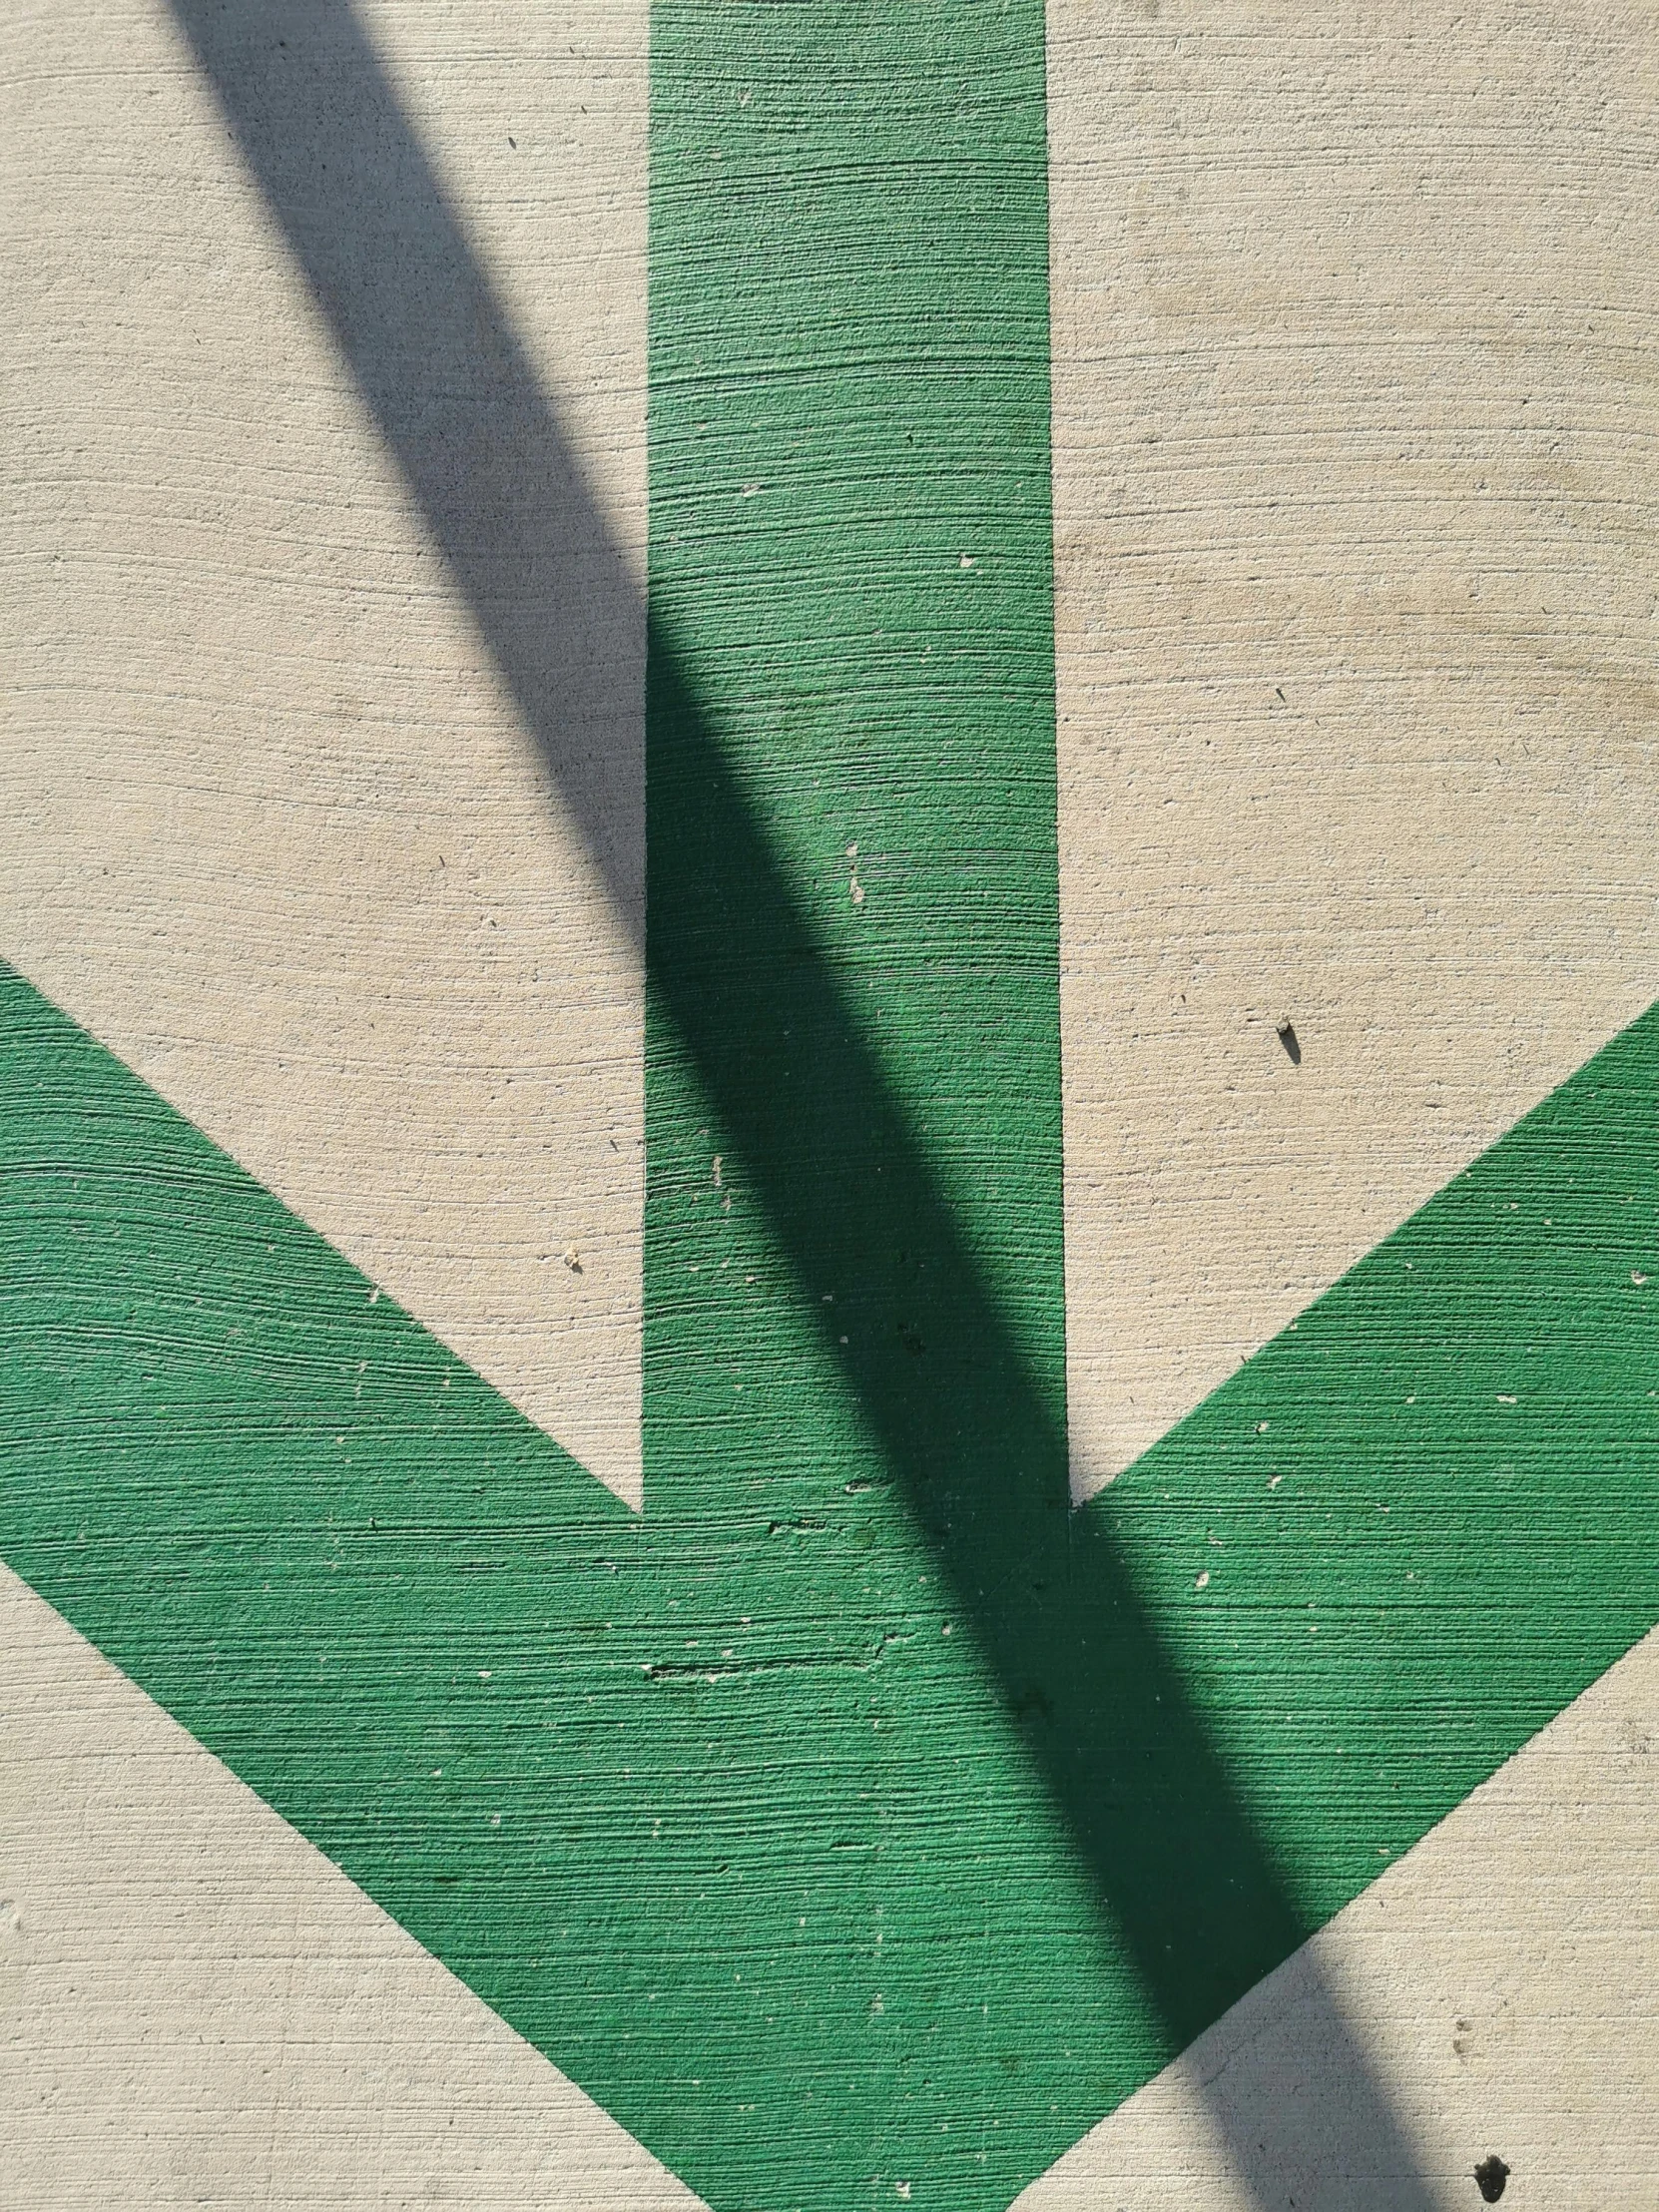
point(1489, 2177)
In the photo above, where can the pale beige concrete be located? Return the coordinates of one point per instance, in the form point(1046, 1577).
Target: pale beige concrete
point(1502, 1982)
point(269, 825)
point(197, 2007)
point(1355, 470)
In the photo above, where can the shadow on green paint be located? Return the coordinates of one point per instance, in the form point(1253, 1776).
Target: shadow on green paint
point(1194, 1756)
point(972, 1436)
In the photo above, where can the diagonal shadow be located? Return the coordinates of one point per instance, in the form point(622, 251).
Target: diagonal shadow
point(1130, 1760)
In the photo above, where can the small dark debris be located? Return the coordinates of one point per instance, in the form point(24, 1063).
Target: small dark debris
point(1289, 1039)
point(911, 1340)
point(1489, 2177)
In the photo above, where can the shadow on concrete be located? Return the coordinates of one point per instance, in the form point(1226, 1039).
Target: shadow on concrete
point(1151, 1807)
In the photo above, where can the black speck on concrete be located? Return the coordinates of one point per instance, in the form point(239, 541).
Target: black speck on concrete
point(1489, 2177)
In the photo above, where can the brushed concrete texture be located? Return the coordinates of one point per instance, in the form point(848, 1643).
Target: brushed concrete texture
point(197, 2007)
point(1354, 484)
point(1502, 1981)
point(269, 824)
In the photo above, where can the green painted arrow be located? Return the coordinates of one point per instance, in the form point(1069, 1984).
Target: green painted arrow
point(860, 1816)
point(710, 1805)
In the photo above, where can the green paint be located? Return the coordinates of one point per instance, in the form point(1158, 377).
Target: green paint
point(814, 1896)
point(344, 1564)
